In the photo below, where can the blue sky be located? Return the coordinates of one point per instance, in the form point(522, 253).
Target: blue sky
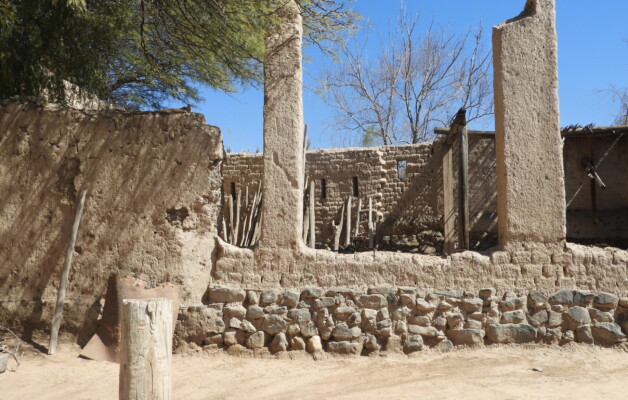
point(592, 56)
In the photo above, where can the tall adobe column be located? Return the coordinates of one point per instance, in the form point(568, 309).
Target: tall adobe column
point(530, 175)
point(282, 185)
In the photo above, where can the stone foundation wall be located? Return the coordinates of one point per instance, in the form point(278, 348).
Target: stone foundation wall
point(154, 193)
point(347, 320)
point(382, 301)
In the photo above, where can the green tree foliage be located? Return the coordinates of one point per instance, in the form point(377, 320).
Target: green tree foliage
point(140, 53)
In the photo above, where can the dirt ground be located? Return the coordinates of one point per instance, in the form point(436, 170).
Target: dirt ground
point(574, 372)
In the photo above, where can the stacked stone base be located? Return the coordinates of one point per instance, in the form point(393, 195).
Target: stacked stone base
point(344, 320)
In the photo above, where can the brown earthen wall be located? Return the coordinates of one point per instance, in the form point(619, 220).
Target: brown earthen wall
point(414, 204)
point(610, 154)
point(409, 206)
point(154, 190)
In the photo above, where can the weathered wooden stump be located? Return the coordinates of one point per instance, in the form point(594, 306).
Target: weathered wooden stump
point(146, 350)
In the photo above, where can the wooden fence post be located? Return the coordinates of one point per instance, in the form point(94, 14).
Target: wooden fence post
point(371, 230)
point(357, 218)
point(464, 181)
point(146, 350)
point(338, 228)
point(449, 213)
point(348, 222)
point(63, 283)
point(312, 218)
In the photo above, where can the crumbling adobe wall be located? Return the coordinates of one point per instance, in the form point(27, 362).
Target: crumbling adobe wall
point(414, 204)
point(242, 169)
point(409, 206)
point(154, 189)
point(570, 267)
point(377, 177)
point(373, 301)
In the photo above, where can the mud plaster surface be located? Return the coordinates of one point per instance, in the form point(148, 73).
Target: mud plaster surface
point(570, 266)
point(530, 175)
point(153, 182)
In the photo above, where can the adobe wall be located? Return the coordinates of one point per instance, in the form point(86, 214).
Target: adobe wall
point(409, 206)
point(530, 172)
point(368, 302)
point(414, 204)
point(154, 189)
point(572, 267)
point(154, 184)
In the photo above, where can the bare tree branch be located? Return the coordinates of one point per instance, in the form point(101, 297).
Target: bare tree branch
point(415, 82)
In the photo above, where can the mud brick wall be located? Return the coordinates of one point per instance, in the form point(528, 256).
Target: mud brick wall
point(408, 206)
point(154, 192)
point(412, 207)
point(241, 170)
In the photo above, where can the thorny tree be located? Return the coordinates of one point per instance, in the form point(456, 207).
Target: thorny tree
point(416, 82)
point(142, 53)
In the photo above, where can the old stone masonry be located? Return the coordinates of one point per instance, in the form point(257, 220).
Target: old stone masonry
point(343, 320)
point(162, 193)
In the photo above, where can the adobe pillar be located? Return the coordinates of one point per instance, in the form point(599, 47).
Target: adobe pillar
point(282, 185)
point(530, 175)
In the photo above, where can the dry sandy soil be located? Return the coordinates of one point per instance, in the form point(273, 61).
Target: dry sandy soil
point(575, 372)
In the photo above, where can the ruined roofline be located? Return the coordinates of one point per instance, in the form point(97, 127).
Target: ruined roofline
point(569, 131)
point(347, 149)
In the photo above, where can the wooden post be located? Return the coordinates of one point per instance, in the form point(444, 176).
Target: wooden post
point(63, 283)
point(253, 213)
point(245, 219)
point(256, 231)
point(338, 228)
point(312, 217)
point(357, 219)
point(224, 229)
point(236, 230)
point(371, 230)
point(231, 222)
point(449, 213)
point(348, 222)
point(593, 183)
point(464, 180)
point(257, 218)
point(146, 350)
